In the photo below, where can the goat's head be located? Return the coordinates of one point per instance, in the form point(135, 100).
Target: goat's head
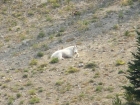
point(75, 50)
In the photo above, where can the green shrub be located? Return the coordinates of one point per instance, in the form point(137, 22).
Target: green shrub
point(116, 27)
point(120, 72)
point(99, 88)
point(127, 33)
point(33, 62)
point(18, 95)
point(32, 92)
point(41, 35)
point(127, 2)
point(34, 100)
point(25, 76)
point(90, 65)
point(54, 60)
point(116, 101)
point(59, 83)
point(62, 29)
point(40, 54)
point(21, 102)
point(72, 70)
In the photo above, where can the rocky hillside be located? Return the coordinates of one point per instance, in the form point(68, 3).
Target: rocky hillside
point(31, 31)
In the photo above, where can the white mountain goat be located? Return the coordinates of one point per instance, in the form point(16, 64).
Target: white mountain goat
point(68, 52)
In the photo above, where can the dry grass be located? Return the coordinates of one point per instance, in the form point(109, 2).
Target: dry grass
point(64, 82)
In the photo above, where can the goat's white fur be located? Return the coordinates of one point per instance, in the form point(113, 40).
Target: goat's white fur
point(68, 52)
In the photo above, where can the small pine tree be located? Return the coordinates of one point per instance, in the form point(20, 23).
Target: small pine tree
point(134, 73)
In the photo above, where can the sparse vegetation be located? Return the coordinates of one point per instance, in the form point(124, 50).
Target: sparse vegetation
point(116, 101)
point(25, 76)
point(91, 65)
point(34, 100)
point(54, 60)
point(18, 95)
point(104, 31)
point(116, 27)
point(40, 54)
point(97, 75)
point(72, 70)
point(41, 35)
point(83, 25)
point(99, 88)
point(32, 92)
point(33, 62)
point(120, 72)
point(126, 2)
point(59, 83)
point(119, 62)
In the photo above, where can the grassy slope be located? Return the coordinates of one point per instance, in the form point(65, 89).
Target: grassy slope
point(102, 37)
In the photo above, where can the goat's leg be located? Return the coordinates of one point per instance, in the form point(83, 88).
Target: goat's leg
point(60, 56)
point(76, 55)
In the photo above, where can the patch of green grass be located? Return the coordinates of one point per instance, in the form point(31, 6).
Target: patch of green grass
point(77, 13)
point(21, 102)
point(119, 62)
point(72, 70)
point(49, 18)
point(59, 83)
point(33, 62)
point(99, 88)
point(54, 60)
point(59, 34)
point(30, 13)
point(109, 96)
point(91, 65)
point(18, 95)
point(100, 83)
point(32, 92)
point(64, 88)
point(29, 83)
point(43, 65)
point(41, 35)
point(127, 33)
point(120, 72)
point(34, 100)
point(40, 89)
point(4, 86)
point(83, 25)
point(7, 80)
point(62, 29)
point(116, 101)
point(45, 47)
point(26, 70)
point(120, 14)
point(91, 81)
point(110, 89)
point(96, 75)
point(116, 27)
point(10, 100)
point(40, 54)
point(25, 76)
point(55, 5)
point(81, 95)
point(94, 18)
point(126, 2)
